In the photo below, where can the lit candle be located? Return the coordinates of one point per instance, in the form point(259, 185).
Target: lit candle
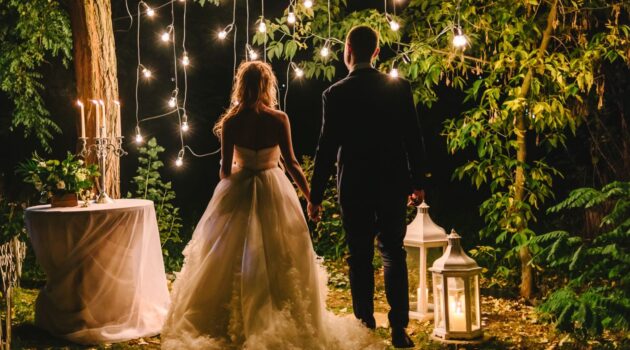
point(456, 316)
point(82, 118)
point(104, 128)
point(98, 118)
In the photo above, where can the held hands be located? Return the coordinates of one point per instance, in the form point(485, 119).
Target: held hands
point(416, 198)
point(314, 211)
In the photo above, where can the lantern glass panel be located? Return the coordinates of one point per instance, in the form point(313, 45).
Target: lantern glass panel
point(432, 255)
point(456, 304)
point(439, 305)
point(474, 305)
point(413, 268)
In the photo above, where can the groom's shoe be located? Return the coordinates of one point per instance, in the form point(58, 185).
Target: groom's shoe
point(400, 339)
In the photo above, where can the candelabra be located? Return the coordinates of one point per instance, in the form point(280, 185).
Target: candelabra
point(102, 146)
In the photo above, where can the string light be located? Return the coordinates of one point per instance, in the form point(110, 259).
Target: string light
point(299, 72)
point(394, 25)
point(224, 32)
point(185, 59)
point(146, 72)
point(324, 51)
point(291, 18)
point(393, 73)
point(139, 137)
point(172, 102)
point(262, 27)
point(180, 158)
point(459, 40)
point(149, 11)
point(166, 35)
point(308, 4)
point(185, 123)
point(251, 53)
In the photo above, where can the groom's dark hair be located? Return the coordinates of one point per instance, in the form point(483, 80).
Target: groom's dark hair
point(363, 40)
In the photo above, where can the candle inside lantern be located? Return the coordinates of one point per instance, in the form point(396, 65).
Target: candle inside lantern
point(82, 118)
point(98, 118)
point(456, 315)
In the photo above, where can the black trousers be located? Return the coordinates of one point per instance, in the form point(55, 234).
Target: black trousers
point(382, 218)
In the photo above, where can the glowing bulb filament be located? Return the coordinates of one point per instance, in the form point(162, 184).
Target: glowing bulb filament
point(299, 72)
point(165, 36)
point(394, 25)
point(146, 73)
point(180, 161)
point(262, 27)
point(291, 18)
point(308, 4)
point(150, 12)
point(324, 52)
point(139, 137)
point(393, 73)
point(253, 55)
point(185, 59)
point(172, 102)
point(459, 40)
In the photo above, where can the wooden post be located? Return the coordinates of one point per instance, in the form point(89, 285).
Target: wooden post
point(96, 74)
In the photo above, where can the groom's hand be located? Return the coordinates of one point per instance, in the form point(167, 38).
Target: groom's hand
point(416, 197)
point(314, 211)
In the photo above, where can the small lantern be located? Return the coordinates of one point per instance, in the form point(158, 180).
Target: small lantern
point(424, 240)
point(456, 290)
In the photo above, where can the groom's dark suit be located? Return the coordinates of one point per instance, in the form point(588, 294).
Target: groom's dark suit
point(370, 128)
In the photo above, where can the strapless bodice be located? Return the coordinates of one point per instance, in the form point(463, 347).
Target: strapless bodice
point(261, 159)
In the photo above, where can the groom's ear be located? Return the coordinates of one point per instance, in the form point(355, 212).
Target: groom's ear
point(376, 52)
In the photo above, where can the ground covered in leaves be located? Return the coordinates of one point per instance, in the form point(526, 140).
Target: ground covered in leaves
point(508, 324)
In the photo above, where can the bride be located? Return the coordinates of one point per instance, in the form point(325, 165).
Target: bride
point(250, 277)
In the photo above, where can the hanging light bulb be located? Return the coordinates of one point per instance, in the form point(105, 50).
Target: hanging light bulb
point(459, 40)
point(165, 36)
point(325, 51)
point(150, 11)
point(222, 34)
point(298, 72)
point(262, 27)
point(180, 158)
point(291, 18)
point(146, 73)
point(139, 137)
point(308, 4)
point(185, 59)
point(172, 102)
point(253, 55)
point(185, 123)
point(394, 25)
point(393, 73)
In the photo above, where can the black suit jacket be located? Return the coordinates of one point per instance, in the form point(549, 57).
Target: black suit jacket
point(371, 129)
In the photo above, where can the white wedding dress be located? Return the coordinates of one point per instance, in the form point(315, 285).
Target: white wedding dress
point(250, 277)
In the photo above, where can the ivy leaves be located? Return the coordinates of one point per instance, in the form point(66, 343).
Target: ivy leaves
point(31, 31)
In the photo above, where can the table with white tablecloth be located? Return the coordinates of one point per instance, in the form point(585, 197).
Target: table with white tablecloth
point(104, 268)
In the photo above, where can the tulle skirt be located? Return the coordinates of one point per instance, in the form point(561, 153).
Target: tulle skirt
point(251, 278)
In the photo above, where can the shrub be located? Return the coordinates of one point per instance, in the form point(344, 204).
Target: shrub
point(597, 293)
point(149, 185)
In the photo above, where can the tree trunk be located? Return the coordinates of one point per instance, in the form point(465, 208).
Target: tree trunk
point(96, 75)
point(527, 272)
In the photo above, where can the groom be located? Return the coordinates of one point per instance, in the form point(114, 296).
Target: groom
point(370, 129)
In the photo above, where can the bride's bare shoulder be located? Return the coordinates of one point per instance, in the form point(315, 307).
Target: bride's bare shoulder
point(278, 115)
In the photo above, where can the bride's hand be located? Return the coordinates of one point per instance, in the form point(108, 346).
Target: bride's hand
point(314, 211)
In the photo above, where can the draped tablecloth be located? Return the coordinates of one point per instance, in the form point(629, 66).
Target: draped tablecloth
point(104, 267)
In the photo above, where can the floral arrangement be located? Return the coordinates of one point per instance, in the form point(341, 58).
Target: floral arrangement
point(55, 178)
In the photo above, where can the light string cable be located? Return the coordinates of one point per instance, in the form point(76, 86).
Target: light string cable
point(175, 93)
point(129, 14)
point(291, 64)
point(248, 50)
point(138, 134)
point(263, 29)
point(234, 40)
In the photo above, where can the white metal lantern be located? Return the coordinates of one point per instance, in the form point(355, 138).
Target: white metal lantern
point(424, 240)
point(456, 291)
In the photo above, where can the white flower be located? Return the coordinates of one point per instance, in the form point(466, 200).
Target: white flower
point(61, 185)
point(80, 175)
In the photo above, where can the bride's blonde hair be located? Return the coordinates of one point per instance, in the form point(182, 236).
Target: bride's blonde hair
point(255, 85)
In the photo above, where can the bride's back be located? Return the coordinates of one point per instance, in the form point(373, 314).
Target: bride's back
point(255, 130)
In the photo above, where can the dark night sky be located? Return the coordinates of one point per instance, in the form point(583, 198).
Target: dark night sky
point(209, 79)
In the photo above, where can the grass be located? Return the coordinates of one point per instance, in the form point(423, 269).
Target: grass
point(508, 324)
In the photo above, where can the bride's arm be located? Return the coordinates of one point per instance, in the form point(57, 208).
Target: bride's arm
point(292, 164)
point(227, 152)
